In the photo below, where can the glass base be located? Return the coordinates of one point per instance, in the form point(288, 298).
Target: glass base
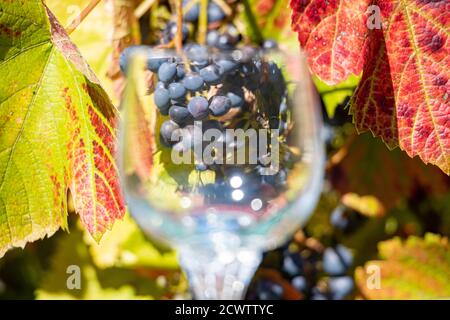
point(216, 274)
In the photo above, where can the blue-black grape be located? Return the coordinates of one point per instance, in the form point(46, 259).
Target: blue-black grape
point(340, 287)
point(201, 167)
point(236, 96)
point(338, 218)
point(215, 13)
point(269, 290)
point(229, 39)
point(167, 72)
point(162, 98)
point(227, 65)
point(270, 44)
point(193, 13)
point(211, 74)
point(166, 131)
point(300, 283)
point(180, 115)
point(160, 85)
point(337, 260)
point(176, 90)
point(219, 105)
point(180, 72)
point(154, 63)
point(170, 32)
point(292, 264)
point(212, 37)
point(198, 55)
point(127, 54)
point(198, 107)
point(193, 82)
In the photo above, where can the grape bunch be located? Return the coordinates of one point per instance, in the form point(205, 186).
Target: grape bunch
point(214, 87)
point(306, 272)
point(223, 84)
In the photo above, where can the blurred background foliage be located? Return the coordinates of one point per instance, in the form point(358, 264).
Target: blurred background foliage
point(392, 201)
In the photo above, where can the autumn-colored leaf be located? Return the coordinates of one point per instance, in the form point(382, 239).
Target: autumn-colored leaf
point(404, 93)
point(373, 104)
point(56, 131)
point(418, 48)
point(413, 269)
point(93, 37)
point(333, 34)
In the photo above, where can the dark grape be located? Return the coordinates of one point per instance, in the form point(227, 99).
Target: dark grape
point(292, 264)
point(155, 63)
point(193, 13)
point(180, 115)
point(170, 32)
point(177, 90)
point(228, 39)
point(166, 131)
point(211, 74)
point(212, 38)
point(318, 294)
point(215, 13)
point(198, 107)
point(270, 44)
point(193, 82)
point(338, 218)
point(127, 54)
point(269, 290)
point(340, 287)
point(227, 65)
point(160, 85)
point(201, 167)
point(167, 72)
point(198, 54)
point(337, 260)
point(180, 72)
point(300, 283)
point(220, 105)
point(162, 98)
point(236, 97)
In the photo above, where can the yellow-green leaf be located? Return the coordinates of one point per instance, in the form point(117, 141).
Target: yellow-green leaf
point(56, 131)
point(413, 269)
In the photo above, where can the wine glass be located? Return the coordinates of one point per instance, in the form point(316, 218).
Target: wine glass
point(221, 209)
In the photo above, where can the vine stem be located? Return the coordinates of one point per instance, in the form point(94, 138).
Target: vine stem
point(203, 22)
point(143, 8)
point(252, 21)
point(86, 11)
point(179, 35)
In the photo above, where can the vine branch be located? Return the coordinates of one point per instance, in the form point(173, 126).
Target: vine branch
point(252, 21)
point(84, 13)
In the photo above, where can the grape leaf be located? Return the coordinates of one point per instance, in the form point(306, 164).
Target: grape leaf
point(414, 269)
point(333, 35)
point(404, 92)
point(56, 131)
point(93, 37)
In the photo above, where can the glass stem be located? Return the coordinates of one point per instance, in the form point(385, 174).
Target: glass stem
point(219, 275)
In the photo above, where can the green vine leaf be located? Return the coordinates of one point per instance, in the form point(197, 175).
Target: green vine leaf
point(56, 131)
point(414, 269)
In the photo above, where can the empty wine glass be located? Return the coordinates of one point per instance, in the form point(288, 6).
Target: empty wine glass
point(238, 168)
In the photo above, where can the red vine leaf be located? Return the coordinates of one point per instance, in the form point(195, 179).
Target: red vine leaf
point(404, 93)
point(333, 33)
